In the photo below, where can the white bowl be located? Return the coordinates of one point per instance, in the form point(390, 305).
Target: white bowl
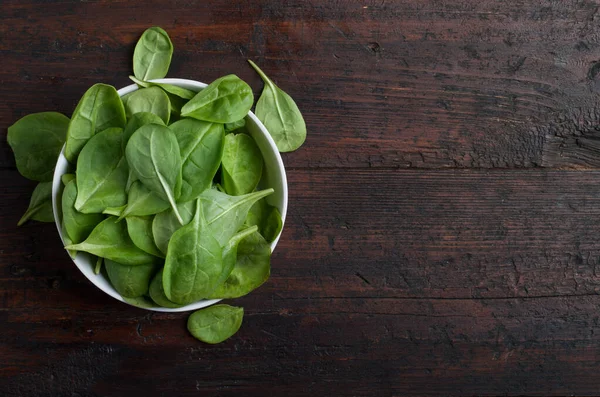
point(273, 176)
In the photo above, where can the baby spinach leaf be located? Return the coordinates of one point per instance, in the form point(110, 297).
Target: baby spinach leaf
point(194, 262)
point(201, 147)
point(140, 301)
point(236, 125)
point(225, 214)
point(36, 141)
point(157, 292)
point(216, 323)
point(110, 240)
point(150, 100)
point(140, 231)
point(225, 100)
point(101, 173)
point(166, 223)
point(242, 164)
point(280, 115)
point(136, 121)
point(40, 205)
point(252, 268)
point(141, 201)
point(77, 225)
point(98, 266)
point(181, 92)
point(129, 281)
point(99, 108)
point(66, 178)
point(267, 218)
point(230, 253)
point(153, 154)
point(152, 54)
point(67, 241)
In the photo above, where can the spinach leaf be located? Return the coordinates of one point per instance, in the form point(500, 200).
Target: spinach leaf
point(236, 125)
point(40, 205)
point(194, 262)
point(149, 100)
point(267, 218)
point(225, 214)
point(98, 266)
point(152, 54)
point(101, 173)
point(140, 301)
point(67, 241)
point(77, 225)
point(110, 240)
point(136, 121)
point(36, 141)
point(215, 324)
point(181, 92)
point(99, 108)
point(201, 147)
point(129, 281)
point(157, 292)
point(225, 100)
point(66, 178)
point(141, 201)
point(242, 164)
point(166, 223)
point(230, 254)
point(153, 154)
point(140, 231)
point(252, 269)
point(280, 115)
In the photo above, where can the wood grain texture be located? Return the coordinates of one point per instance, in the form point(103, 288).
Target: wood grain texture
point(442, 232)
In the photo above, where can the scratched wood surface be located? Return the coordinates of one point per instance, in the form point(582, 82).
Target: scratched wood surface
point(442, 235)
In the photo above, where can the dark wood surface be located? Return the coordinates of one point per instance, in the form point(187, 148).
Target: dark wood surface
point(443, 227)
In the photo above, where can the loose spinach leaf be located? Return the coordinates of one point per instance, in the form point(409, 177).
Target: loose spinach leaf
point(215, 324)
point(230, 254)
point(140, 231)
point(149, 100)
point(77, 225)
point(236, 125)
point(157, 292)
point(242, 164)
point(141, 201)
point(194, 262)
point(166, 223)
point(280, 115)
point(225, 100)
point(101, 173)
point(153, 154)
point(129, 281)
point(201, 147)
point(136, 121)
point(110, 240)
point(66, 178)
point(181, 92)
point(267, 218)
point(252, 268)
point(99, 108)
point(40, 205)
point(98, 266)
point(152, 54)
point(225, 214)
point(36, 141)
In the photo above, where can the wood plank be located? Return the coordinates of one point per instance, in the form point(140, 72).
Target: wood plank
point(399, 84)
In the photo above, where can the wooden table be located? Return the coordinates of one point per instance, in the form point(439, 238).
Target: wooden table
point(444, 214)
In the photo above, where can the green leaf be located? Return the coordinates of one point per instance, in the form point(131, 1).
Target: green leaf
point(201, 148)
point(194, 262)
point(149, 100)
point(36, 141)
point(230, 254)
point(235, 126)
point(280, 115)
point(181, 92)
point(136, 121)
point(77, 225)
point(129, 281)
point(140, 232)
point(215, 324)
point(152, 54)
point(157, 292)
point(110, 240)
point(99, 108)
point(66, 178)
point(242, 164)
point(40, 205)
point(225, 100)
point(166, 223)
point(101, 173)
point(153, 154)
point(141, 201)
point(267, 218)
point(98, 266)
